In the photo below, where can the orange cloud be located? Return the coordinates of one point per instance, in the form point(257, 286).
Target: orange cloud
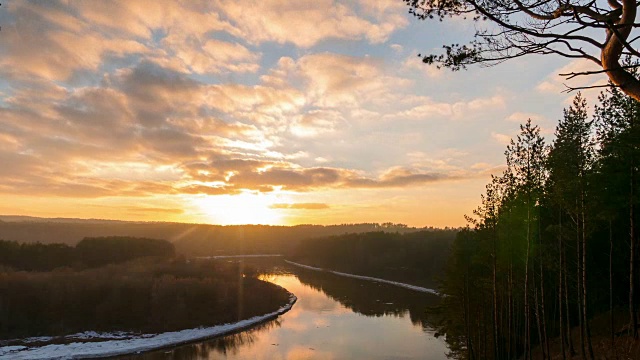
point(154, 210)
point(136, 99)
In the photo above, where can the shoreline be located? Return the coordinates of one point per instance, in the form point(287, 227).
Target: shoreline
point(368, 278)
point(139, 344)
point(218, 257)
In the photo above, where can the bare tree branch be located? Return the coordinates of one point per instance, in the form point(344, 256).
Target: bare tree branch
point(566, 28)
point(571, 75)
point(570, 88)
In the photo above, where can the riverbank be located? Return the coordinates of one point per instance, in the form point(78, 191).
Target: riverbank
point(367, 278)
point(132, 307)
point(249, 256)
point(92, 347)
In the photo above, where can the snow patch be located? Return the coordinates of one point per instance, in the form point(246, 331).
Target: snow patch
point(368, 278)
point(237, 256)
point(304, 266)
point(139, 343)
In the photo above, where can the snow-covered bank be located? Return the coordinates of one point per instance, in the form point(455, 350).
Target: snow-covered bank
point(139, 343)
point(368, 278)
point(305, 266)
point(237, 256)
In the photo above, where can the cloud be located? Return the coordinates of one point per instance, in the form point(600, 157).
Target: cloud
point(155, 93)
point(398, 177)
point(396, 48)
point(413, 63)
point(207, 190)
point(47, 41)
point(211, 55)
point(250, 175)
point(268, 101)
point(428, 108)
point(333, 80)
point(286, 22)
point(288, 178)
point(224, 174)
point(555, 84)
point(136, 99)
point(521, 117)
point(154, 210)
point(501, 138)
point(300, 206)
point(481, 166)
point(317, 122)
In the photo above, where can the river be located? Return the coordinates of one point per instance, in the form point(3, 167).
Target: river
point(334, 318)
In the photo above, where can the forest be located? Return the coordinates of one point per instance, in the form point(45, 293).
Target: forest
point(417, 258)
point(89, 252)
point(121, 284)
point(548, 265)
point(188, 239)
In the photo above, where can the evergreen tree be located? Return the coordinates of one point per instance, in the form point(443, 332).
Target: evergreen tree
point(570, 161)
point(619, 137)
point(525, 158)
point(557, 218)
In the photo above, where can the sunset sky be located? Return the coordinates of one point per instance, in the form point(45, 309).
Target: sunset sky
point(270, 111)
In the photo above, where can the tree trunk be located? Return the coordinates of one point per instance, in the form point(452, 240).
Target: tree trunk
point(613, 48)
point(510, 294)
point(611, 333)
point(538, 322)
point(545, 339)
point(527, 332)
point(633, 321)
point(495, 298)
point(562, 334)
point(467, 325)
point(510, 310)
point(572, 350)
point(483, 318)
point(584, 281)
point(579, 282)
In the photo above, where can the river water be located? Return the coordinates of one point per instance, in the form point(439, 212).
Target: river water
point(334, 318)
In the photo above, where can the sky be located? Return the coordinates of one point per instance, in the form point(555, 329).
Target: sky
point(254, 112)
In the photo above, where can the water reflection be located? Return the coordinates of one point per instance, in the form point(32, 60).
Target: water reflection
point(334, 318)
point(372, 299)
point(222, 347)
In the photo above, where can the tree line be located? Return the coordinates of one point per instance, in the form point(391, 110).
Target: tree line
point(416, 257)
point(89, 252)
point(553, 245)
point(189, 239)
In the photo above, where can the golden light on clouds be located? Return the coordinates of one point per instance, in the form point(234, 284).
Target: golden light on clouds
point(267, 112)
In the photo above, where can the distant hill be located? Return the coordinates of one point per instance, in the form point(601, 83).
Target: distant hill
point(23, 218)
point(189, 239)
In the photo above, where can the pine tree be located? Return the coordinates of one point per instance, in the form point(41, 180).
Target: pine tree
point(526, 158)
point(570, 162)
point(617, 120)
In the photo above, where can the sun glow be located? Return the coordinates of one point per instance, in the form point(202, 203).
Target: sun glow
point(245, 208)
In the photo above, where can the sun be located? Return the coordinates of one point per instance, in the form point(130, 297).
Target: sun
point(244, 208)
